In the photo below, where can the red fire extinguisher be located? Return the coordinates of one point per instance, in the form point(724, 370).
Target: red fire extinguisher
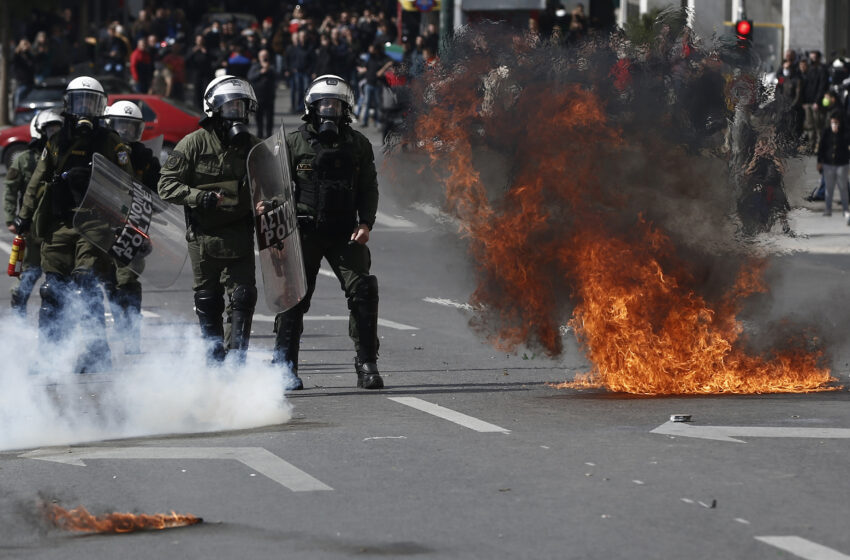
point(16, 257)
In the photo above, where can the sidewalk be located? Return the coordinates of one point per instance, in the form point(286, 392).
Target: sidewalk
point(815, 233)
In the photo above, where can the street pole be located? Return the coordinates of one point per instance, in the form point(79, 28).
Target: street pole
point(447, 9)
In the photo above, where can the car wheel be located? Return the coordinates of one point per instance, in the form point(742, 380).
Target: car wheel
point(11, 153)
point(165, 152)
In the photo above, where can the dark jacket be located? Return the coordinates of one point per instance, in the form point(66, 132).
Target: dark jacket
point(833, 148)
point(264, 83)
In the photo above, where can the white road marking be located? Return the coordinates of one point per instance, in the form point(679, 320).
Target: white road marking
point(326, 272)
point(383, 437)
point(6, 247)
point(448, 303)
point(725, 433)
point(149, 314)
point(742, 521)
point(261, 318)
point(258, 458)
point(450, 415)
point(803, 548)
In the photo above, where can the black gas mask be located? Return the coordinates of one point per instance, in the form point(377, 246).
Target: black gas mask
point(82, 124)
point(234, 121)
point(327, 115)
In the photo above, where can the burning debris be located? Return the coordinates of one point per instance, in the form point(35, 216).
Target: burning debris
point(79, 519)
point(616, 208)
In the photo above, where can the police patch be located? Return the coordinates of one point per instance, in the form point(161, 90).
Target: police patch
point(44, 153)
point(123, 157)
point(304, 167)
point(174, 159)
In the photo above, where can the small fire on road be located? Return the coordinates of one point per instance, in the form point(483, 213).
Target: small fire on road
point(79, 519)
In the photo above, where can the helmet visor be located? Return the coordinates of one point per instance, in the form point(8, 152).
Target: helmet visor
point(235, 109)
point(130, 130)
point(329, 108)
point(85, 103)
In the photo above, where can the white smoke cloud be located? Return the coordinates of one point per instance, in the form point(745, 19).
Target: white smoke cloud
point(166, 390)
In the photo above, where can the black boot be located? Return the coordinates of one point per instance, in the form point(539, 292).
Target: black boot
point(96, 356)
point(364, 310)
point(289, 326)
point(54, 294)
point(19, 303)
point(367, 375)
point(209, 306)
point(242, 302)
point(126, 308)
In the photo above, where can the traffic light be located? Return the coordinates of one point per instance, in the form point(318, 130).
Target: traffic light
point(744, 31)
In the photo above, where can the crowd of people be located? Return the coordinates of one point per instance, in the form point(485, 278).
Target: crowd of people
point(162, 52)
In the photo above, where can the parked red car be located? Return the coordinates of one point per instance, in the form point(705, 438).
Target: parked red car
point(172, 119)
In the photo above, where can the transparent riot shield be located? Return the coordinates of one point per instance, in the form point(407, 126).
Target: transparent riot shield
point(284, 279)
point(131, 224)
point(155, 145)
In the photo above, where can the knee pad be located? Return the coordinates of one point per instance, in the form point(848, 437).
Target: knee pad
point(52, 290)
point(243, 298)
point(365, 291)
point(209, 302)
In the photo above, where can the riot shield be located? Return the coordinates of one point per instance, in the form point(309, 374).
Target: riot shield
point(284, 279)
point(131, 224)
point(155, 145)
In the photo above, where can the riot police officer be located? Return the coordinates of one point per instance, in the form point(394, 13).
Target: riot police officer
point(42, 127)
point(123, 287)
point(206, 172)
point(74, 267)
point(336, 191)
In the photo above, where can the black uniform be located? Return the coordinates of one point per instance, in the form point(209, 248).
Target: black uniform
point(336, 188)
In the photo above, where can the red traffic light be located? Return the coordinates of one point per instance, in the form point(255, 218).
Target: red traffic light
point(744, 28)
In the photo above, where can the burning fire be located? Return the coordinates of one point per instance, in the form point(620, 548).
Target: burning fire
point(559, 232)
point(79, 519)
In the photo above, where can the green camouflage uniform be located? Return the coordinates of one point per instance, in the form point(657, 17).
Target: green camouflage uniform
point(74, 267)
point(17, 178)
point(123, 288)
point(221, 239)
point(51, 205)
point(332, 199)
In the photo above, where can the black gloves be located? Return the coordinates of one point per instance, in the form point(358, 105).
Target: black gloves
point(22, 225)
point(208, 200)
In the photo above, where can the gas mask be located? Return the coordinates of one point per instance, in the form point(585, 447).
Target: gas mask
point(327, 114)
point(234, 121)
point(82, 124)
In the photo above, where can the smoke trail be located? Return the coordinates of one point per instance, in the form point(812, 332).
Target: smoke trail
point(169, 389)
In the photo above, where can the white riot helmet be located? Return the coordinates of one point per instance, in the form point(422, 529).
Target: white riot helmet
point(125, 118)
point(45, 124)
point(85, 98)
point(328, 104)
point(329, 87)
point(233, 98)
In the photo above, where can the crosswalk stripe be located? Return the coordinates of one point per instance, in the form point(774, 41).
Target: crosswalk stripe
point(803, 548)
point(451, 415)
point(261, 318)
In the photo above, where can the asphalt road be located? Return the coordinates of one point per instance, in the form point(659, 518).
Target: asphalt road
point(467, 453)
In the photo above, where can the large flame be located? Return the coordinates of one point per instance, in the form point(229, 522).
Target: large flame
point(560, 240)
point(79, 519)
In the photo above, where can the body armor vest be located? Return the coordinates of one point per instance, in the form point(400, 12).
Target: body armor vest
point(72, 157)
point(330, 187)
